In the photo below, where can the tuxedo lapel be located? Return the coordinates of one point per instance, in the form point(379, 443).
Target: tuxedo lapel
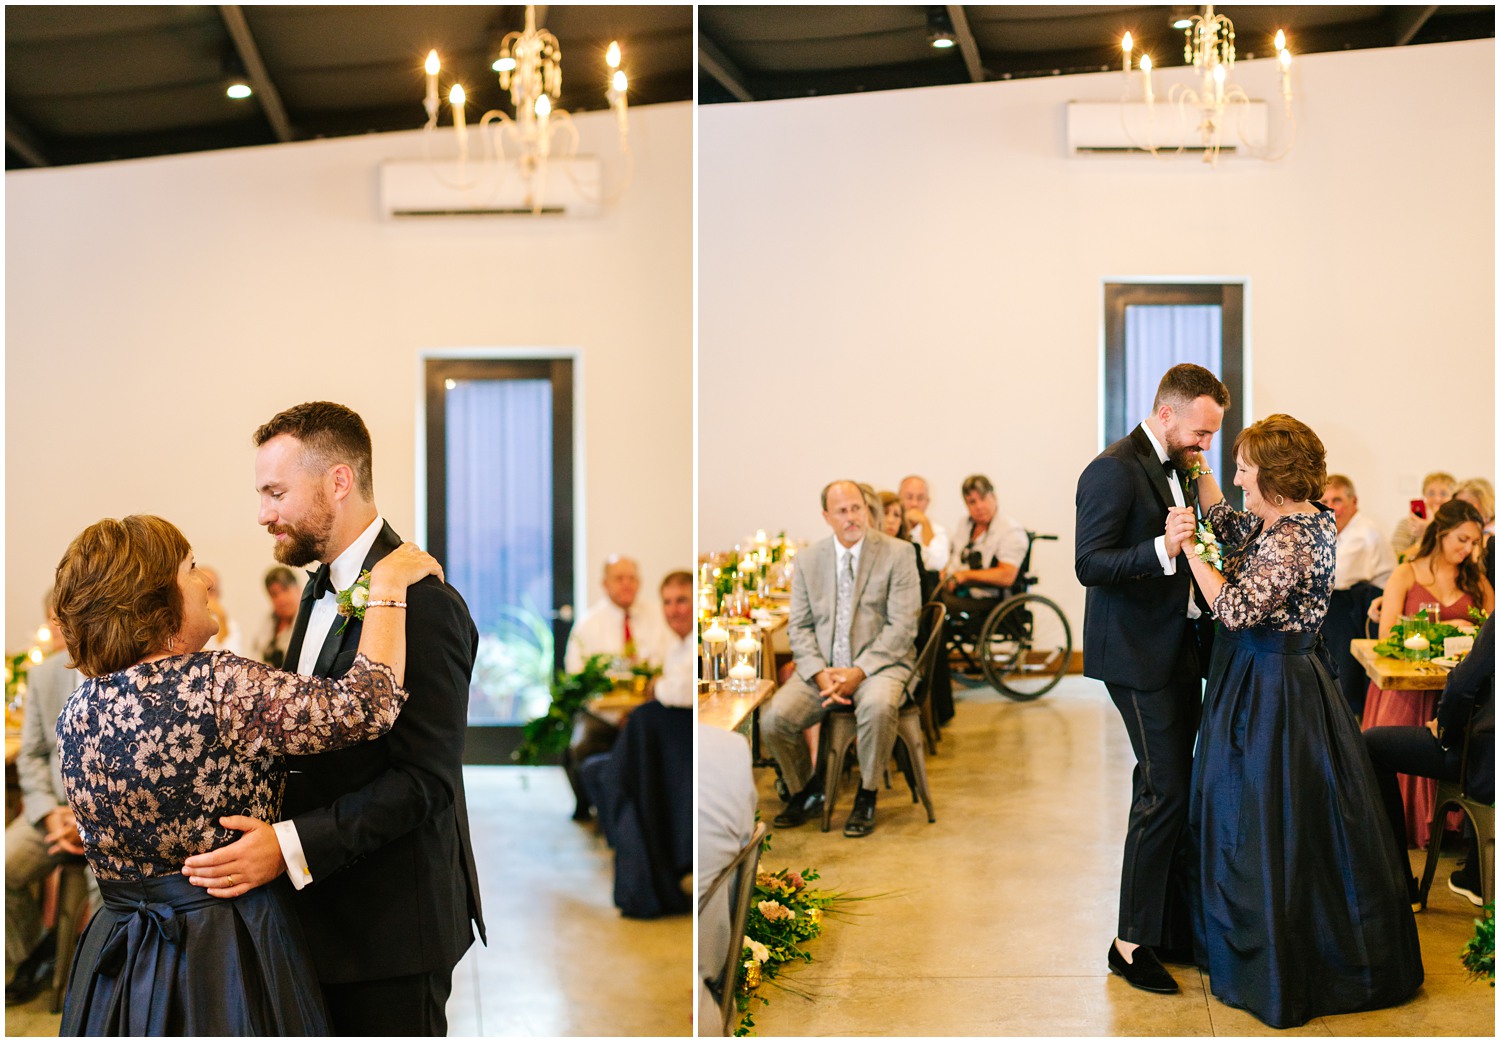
point(1146, 454)
point(341, 636)
point(299, 629)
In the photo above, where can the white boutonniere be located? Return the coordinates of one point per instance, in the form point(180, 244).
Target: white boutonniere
point(353, 600)
point(1206, 546)
point(1197, 470)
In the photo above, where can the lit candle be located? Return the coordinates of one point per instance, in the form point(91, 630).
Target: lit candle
point(1286, 72)
point(760, 536)
point(715, 634)
point(1128, 44)
point(612, 56)
point(1146, 68)
point(746, 645)
point(432, 92)
point(743, 671)
point(456, 99)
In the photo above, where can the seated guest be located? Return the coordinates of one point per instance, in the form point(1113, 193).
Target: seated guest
point(1480, 494)
point(726, 821)
point(592, 736)
point(1437, 488)
point(1363, 562)
point(276, 631)
point(1436, 749)
point(925, 532)
point(614, 625)
point(45, 833)
point(988, 549)
point(675, 686)
point(855, 600)
point(1444, 572)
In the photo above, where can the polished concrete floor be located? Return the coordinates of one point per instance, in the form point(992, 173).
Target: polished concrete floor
point(998, 916)
point(561, 959)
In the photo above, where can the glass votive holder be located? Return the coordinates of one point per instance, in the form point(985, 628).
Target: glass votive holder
point(744, 647)
point(715, 645)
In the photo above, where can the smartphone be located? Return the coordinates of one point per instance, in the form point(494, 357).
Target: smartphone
point(1419, 507)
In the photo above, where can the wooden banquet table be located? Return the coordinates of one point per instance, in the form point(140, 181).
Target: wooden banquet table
point(727, 710)
point(1394, 674)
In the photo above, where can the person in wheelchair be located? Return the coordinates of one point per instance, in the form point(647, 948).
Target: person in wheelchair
point(985, 565)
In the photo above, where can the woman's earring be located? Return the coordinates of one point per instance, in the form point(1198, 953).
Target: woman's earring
point(1280, 500)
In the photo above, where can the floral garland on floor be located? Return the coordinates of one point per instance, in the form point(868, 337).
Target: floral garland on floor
point(1479, 953)
point(784, 914)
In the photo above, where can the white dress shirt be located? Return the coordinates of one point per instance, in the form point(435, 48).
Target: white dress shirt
point(601, 631)
point(1362, 555)
point(1003, 542)
point(342, 573)
point(677, 686)
point(934, 554)
point(1169, 564)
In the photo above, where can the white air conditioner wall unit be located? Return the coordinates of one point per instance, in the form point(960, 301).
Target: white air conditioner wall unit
point(1114, 128)
point(486, 188)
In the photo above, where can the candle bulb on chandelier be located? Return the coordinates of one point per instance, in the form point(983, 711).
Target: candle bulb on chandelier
point(456, 99)
point(1127, 45)
point(1285, 57)
point(1146, 68)
point(431, 102)
point(612, 56)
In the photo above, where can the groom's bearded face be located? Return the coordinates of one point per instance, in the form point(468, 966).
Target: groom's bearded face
point(1192, 428)
point(307, 537)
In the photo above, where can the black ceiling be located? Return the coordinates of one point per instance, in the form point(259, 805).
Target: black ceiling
point(764, 53)
point(87, 84)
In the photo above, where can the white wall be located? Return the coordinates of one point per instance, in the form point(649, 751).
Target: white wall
point(919, 276)
point(159, 310)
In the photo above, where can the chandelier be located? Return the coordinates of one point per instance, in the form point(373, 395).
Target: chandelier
point(1216, 100)
point(530, 69)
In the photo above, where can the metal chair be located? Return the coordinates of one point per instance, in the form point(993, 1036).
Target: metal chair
point(742, 869)
point(1453, 795)
point(839, 730)
point(72, 914)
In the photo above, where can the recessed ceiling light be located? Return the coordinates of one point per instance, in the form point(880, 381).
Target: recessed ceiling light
point(942, 41)
point(238, 90)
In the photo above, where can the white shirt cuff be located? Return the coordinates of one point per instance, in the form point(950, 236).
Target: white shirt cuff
point(291, 852)
point(1168, 564)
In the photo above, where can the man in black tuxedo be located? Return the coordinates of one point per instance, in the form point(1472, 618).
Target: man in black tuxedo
point(1146, 633)
point(375, 836)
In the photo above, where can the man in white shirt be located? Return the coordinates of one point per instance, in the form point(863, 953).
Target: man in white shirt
point(1363, 554)
point(676, 687)
point(616, 625)
point(1363, 561)
point(925, 532)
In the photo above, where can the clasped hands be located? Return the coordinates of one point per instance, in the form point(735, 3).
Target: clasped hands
point(837, 684)
point(239, 867)
point(62, 831)
point(1182, 525)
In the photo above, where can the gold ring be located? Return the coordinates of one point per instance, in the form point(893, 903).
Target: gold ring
point(231, 879)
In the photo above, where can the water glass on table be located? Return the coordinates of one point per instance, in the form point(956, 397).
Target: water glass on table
point(1433, 610)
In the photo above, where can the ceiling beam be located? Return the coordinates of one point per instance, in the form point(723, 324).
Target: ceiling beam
point(717, 64)
point(255, 69)
point(966, 44)
point(1407, 21)
point(20, 140)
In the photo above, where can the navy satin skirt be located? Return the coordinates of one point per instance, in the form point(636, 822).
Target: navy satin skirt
point(1301, 908)
point(163, 958)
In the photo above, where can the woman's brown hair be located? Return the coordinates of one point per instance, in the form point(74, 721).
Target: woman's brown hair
point(1449, 516)
point(1290, 456)
point(117, 597)
point(886, 499)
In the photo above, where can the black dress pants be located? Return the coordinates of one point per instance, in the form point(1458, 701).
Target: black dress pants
point(412, 1006)
point(1407, 750)
point(1157, 870)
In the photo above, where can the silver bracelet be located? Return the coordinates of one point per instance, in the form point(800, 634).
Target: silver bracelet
point(385, 604)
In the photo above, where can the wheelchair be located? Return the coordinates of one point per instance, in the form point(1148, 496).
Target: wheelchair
point(1020, 643)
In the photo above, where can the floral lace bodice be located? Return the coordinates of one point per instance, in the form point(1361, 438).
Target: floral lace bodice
point(1277, 578)
point(154, 755)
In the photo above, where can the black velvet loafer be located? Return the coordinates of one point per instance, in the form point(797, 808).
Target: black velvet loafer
point(1146, 972)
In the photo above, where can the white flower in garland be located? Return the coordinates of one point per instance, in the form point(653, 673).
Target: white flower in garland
point(760, 951)
point(352, 601)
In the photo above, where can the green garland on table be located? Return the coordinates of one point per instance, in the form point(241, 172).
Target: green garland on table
point(547, 736)
point(1479, 952)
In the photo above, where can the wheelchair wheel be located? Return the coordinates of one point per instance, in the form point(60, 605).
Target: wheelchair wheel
point(1025, 647)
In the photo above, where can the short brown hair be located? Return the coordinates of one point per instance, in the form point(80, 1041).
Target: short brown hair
point(673, 578)
point(1291, 458)
point(330, 434)
point(1339, 481)
point(117, 597)
point(1187, 382)
point(976, 483)
point(886, 499)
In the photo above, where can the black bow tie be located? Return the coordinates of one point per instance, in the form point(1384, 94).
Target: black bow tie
point(321, 581)
point(1168, 466)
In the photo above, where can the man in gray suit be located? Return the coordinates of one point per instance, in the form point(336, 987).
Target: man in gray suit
point(853, 629)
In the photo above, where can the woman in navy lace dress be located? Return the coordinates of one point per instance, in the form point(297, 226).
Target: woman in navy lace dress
point(1301, 909)
point(161, 741)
